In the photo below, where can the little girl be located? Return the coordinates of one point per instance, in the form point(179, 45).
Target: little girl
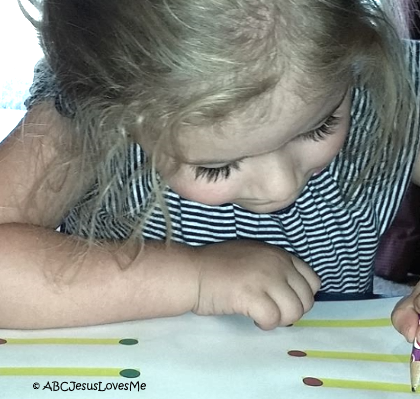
point(210, 156)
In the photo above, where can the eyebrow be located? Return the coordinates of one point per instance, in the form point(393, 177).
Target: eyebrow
point(230, 161)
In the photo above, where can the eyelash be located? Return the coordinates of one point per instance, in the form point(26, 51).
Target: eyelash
point(323, 131)
point(213, 174)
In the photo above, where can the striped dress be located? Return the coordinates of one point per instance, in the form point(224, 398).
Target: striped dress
point(338, 238)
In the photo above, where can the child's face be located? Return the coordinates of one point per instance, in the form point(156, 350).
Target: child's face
point(263, 167)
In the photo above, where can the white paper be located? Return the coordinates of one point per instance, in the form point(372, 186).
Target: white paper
point(192, 357)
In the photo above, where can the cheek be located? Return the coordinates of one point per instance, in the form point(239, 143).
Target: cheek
point(337, 142)
point(322, 153)
point(341, 137)
point(200, 191)
point(333, 145)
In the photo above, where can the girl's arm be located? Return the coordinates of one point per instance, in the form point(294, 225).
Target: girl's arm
point(49, 279)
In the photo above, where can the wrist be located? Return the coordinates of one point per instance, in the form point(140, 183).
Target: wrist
point(191, 266)
point(179, 277)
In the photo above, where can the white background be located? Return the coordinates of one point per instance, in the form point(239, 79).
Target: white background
point(20, 52)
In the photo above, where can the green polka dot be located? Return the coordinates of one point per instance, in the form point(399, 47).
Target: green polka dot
point(129, 341)
point(129, 373)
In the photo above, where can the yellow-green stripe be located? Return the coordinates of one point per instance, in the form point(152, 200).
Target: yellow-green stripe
point(64, 341)
point(376, 357)
point(61, 371)
point(366, 385)
point(344, 323)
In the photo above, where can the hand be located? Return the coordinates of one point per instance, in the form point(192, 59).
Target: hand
point(405, 316)
point(254, 279)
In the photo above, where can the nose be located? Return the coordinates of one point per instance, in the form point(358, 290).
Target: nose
point(276, 179)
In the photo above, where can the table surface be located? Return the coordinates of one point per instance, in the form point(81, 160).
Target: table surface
point(190, 357)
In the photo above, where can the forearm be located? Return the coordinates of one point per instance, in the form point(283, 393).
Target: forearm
point(50, 279)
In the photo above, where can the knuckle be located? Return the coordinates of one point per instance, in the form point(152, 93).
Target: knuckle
point(308, 305)
point(316, 285)
point(291, 314)
point(265, 314)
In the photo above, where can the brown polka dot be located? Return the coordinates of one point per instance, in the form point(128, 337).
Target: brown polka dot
point(312, 382)
point(296, 353)
point(3, 341)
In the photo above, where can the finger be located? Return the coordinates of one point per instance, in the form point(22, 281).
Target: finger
point(405, 318)
point(416, 300)
point(309, 275)
point(303, 290)
point(265, 312)
point(290, 303)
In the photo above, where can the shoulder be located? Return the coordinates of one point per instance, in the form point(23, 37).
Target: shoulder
point(413, 58)
point(36, 184)
point(416, 171)
point(45, 87)
point(412, 48)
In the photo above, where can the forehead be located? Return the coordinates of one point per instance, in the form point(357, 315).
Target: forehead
point(257, 130)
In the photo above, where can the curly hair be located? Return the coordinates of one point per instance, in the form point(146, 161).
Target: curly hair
point(133, 69)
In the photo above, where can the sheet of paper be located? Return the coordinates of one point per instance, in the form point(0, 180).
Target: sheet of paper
point(191, 357)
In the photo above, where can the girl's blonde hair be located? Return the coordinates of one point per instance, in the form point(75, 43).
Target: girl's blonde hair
point(132, 69)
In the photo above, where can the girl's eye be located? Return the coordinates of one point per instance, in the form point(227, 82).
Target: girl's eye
point(213, 174)
point(322, 132)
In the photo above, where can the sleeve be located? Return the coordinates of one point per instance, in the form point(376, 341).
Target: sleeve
point(45, 88)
